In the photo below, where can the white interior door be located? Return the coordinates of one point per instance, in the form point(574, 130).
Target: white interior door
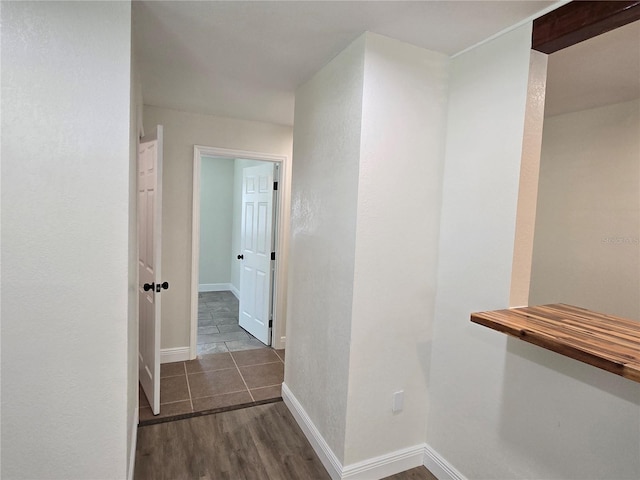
point(149, 256)
point(256, 244)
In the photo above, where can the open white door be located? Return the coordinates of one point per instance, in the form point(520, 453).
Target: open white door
point(256, 244)
point(149, 256)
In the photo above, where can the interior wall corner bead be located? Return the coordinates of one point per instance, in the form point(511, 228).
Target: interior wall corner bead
point(578, 21)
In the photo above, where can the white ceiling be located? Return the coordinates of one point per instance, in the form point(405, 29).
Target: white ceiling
point(245, 59)
point(600, 71)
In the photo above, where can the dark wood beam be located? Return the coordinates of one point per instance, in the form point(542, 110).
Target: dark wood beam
point(580, 20)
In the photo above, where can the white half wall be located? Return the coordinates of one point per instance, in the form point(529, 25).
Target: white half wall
point(66, 90)
point(500, 408)
point(394, 286)
point(182, 131)
point(587, 232)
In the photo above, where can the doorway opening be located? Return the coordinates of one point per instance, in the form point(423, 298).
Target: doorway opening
point(235, 247)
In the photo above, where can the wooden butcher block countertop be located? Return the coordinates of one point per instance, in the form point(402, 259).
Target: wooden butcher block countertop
point(604, 341)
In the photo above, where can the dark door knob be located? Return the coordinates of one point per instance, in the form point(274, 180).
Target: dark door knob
point(162, 285)
point(148, 286)
point(240, 257)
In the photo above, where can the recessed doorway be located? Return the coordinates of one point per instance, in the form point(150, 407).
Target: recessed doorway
point(235, 250)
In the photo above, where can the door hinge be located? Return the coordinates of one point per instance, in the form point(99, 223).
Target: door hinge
point(273, 255)
point(270, 323)
point(275, 185)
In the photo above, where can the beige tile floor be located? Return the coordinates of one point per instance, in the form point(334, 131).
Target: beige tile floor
point(217, 381)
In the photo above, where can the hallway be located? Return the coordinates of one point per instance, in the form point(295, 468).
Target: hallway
point(257, 443)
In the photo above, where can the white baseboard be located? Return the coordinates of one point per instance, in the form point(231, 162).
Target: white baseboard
point(385, 465)
point(279, 344)
point(372, 468)
point(437, 465)
point(214, 287)
point(320, 446)
point(234, 290)
point(179, 354)
point(134, 441)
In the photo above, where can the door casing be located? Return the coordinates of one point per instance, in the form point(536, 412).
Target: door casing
point(200, 151)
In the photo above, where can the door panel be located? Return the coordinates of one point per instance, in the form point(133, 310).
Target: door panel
point(256, 241)
point(248, 228)
point(263, 235)
point(149, 261)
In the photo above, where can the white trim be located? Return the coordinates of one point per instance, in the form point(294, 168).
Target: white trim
point(320, 446)
point(134, 441)
point(436, 464)
point(214, 287)
point(234, 290)
point(233, 154)
point(198, 152)
point(170, 355)
point(530, 18)
point(385, 465)
point(378, 467)
point(195, 254)
point(372, 468)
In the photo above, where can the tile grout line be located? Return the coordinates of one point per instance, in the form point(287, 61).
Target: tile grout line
point(186, 374)
point(219, 394)
point(229, 368)
point(171, 376)
point(269, 386)
point(259, 364)
point(166, 403)
point(243, 380)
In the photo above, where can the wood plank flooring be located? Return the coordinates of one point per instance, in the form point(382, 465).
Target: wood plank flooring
point(262, 442)
point(418, 473)
point(257, 443)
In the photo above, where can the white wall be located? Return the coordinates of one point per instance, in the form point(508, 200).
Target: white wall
point(135, 127)
point(216, 220)
point(587, 234)
point(65, 191)
point(369, 152)
point(236, 227)
point(182, 131)
point(324, 198)
point(528, 185)
point(394, 285)
point(501, 408)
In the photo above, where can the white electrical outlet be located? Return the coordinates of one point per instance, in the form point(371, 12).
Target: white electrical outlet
point(398, 401)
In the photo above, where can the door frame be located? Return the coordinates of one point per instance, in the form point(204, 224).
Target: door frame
point(279, 288)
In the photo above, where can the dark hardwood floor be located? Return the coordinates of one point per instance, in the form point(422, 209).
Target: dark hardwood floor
point(260, 443)
point(256, 443)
